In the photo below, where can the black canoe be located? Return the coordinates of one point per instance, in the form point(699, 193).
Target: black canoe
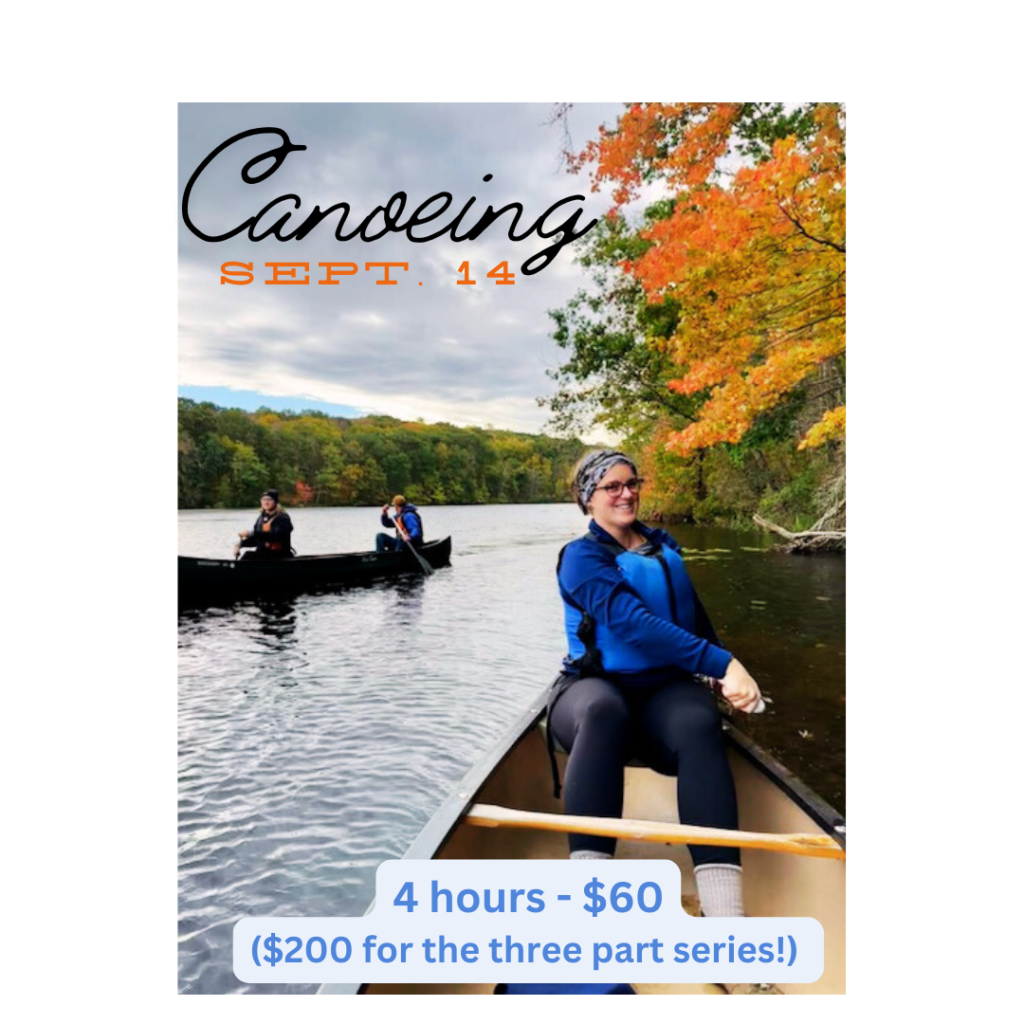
point(516, 774)
point(203, 579)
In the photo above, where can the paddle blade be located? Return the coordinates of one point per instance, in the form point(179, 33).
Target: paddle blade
point(428, 569)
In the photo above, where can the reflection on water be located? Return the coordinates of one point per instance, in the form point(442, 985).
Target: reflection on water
point(318, 734)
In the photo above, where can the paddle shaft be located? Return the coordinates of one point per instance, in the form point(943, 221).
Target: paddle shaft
point(804, 844)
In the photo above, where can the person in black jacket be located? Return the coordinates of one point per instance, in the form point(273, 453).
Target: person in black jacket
point(271, 536)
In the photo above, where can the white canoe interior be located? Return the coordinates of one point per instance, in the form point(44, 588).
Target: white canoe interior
point(775, 884)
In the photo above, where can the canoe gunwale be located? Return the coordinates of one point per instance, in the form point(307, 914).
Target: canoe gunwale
point(342, 557)
point(447, 816)
point(822, 812)
point(207, 580)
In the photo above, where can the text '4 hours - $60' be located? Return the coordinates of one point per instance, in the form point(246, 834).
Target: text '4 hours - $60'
point(620, 899)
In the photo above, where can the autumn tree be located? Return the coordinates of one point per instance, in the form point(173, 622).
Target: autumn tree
point(752, 255)
point(303, 494)
point(617, 370)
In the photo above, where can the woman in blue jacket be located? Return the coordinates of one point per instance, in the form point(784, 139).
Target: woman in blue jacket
point(637, 637)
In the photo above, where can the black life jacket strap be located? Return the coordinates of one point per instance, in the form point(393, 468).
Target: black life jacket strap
point(590, 664)
point(558, 687)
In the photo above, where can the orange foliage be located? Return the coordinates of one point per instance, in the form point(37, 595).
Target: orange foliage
point(756, 260)
point(303, 494)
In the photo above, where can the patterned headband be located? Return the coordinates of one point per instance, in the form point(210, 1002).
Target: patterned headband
point(592, 469)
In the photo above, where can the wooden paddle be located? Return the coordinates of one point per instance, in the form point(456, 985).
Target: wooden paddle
point(427, 568)
point(805, 844)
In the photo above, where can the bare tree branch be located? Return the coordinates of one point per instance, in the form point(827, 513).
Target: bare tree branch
point(559, 115)
point(820, 241)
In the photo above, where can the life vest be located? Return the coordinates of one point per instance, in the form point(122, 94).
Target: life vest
point(661, 581)
point(410, 511)
point(264, 525)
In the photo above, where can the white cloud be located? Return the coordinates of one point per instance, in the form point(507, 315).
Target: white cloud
point(367, 319)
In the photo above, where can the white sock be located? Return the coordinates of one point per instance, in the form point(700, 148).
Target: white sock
point(589, 855)
point(720, 889)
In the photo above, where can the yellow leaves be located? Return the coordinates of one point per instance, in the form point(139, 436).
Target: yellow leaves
point(831, 427)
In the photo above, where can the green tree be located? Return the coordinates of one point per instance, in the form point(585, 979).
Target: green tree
point(246, 477)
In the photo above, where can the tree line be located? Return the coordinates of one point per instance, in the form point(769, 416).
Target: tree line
point(227, 457)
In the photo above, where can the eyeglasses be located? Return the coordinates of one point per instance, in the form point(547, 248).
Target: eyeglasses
point(615, 489)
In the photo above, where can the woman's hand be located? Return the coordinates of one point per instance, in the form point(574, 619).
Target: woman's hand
point(739, 688)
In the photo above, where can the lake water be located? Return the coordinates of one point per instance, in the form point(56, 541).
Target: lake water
point(318, 734)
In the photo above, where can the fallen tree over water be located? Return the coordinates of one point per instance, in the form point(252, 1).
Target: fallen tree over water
point(806, 542)
point(826, 535)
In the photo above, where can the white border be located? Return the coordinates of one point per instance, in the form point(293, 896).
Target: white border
point(91, 256)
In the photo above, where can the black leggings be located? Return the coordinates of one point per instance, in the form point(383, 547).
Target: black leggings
point(674, 728)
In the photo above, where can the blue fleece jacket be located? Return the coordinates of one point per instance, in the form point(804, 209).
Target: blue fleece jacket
point(590, 576)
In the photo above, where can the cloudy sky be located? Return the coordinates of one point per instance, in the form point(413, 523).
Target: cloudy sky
point(471, 354)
